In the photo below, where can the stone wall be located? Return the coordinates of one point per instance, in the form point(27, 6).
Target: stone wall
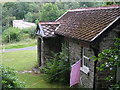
point(45, 47)
point(51, 45)
point(105, 43)
point(75, 54)
point(39, 51)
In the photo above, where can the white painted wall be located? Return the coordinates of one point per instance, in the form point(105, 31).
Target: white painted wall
point(21, 24)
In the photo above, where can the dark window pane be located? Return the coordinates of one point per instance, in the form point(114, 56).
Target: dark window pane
point(86, 52)
point(86, 62)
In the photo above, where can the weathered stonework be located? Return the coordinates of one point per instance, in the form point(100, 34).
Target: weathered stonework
point(105, 43)
point(75, 54)
point(51, 45)
point(45, 48)
point(39, 50)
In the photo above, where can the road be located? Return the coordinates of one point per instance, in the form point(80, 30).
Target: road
point(19, 49)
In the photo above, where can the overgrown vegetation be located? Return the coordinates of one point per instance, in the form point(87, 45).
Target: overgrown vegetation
point(111, 61)
point(12, 34)
point(57, 68)
point(9, 79)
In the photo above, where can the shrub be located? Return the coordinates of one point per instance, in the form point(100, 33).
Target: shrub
point(57, 68)
point(24, 36)
point(111, 57)
point(9, 79)
point(30, 31)
point(14, 35)
point(25, 30)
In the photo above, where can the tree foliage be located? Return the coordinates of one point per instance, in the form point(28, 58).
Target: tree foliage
point(49, 12)
point(113, 3)
point(111, 60)
point(12, 34)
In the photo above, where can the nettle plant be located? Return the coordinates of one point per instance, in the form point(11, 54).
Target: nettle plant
point(111, 61)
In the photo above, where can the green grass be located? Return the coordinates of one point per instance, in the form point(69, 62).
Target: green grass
point(21, 44)
point(20, 60)
point(25, 60)
point(37, 81)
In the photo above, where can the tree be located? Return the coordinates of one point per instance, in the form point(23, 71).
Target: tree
point(11, 34)
point(32, 17)
point(20, 9)
point(17, 9)
point(11, 11)
point(49, 12)
point(111, 61)
point(29, 17)
point(113, 3)
point(34, 7)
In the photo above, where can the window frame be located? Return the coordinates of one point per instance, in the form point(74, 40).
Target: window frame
point(83, 67)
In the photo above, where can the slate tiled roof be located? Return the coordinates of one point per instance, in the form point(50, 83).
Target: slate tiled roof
point(48, 28)
point(87, 23)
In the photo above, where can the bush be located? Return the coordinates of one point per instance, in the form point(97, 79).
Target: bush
point(25, 30)
point(9, 79)
point(57, 68)
point(24, 36)
point(17, 34)
point(30, 31)
point(111, 57)
point(14, 35)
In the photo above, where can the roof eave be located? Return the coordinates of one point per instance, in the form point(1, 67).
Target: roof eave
point(61, 16)
point(105, 29)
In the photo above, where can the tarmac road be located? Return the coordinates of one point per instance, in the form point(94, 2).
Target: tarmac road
point(18, 49)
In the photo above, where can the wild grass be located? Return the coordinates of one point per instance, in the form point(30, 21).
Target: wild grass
point(21, 44)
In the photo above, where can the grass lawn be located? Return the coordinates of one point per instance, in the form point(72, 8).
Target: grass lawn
point(36, 81)
point(25, 60)
point(20, 60)
point(21, 44)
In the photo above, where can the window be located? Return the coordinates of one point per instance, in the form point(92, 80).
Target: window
point(85, 60)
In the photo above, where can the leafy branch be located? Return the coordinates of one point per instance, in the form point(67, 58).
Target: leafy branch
point(111, 60)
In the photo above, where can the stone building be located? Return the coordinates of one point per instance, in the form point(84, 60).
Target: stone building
point(87, 32)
